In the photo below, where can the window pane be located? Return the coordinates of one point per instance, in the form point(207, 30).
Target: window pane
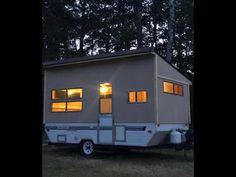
point(106, 90)
point(178, 89)
point(75, 93)
point(105, 105)
point(142, 96)
point(168, 87)
point(132, 97)
point(59, 107)
point(74, 106)
point(58, 94)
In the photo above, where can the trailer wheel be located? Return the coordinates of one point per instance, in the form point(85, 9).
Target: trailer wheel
point(87, 148)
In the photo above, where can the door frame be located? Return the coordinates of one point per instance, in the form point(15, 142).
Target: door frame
point(110, 115)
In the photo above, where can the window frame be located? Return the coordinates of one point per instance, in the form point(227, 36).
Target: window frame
point(58, 98)
point(58, 111)
point(136, 96)
point(174, 83)
point(75, 101)
point(101, 97)
point(182, 90)
point(67, 100)
point(66, 107)
point(67, 93)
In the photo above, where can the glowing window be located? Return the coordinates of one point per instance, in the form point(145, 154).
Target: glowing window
point(105, 98)
point(105, 105)
point(132, 97)
point(75, 93)
point(168, 87)
point(142, 96)
point(105, 90)
point(74, 106)
point(59, 107)
point(58, 94)
point(178, 89)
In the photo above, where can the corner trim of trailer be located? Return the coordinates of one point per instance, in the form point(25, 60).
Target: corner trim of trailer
point(156, 104)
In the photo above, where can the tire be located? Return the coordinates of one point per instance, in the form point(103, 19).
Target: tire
point(87, 148)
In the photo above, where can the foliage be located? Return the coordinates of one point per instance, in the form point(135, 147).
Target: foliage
point(88, 27)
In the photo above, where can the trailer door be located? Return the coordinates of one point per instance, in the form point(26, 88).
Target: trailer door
point(105, 122)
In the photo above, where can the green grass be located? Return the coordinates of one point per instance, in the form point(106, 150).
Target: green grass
point(66, 161)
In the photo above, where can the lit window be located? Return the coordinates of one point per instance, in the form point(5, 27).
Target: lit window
point(141, 96)
point(173, 88)
point(137, 97)
point(168, 87)
point(106, 90)
point(58, 94)
point(59, 107)
point(132, 97)
point(74, 106)
point(105, 98)
point(66, 95)
point(105, 105)
point(178, 89)
point(75, 93)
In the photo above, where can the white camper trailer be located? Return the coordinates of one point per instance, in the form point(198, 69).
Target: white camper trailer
point(129, 99)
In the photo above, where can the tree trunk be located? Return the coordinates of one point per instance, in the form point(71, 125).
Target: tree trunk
point(154, 40)
point(138, 24)
point(170, 30)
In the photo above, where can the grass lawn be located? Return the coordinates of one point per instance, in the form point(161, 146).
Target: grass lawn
point(66, 161)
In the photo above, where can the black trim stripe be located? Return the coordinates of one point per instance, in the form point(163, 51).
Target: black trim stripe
point(142, 128)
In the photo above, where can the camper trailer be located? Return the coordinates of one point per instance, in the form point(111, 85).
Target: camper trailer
point(126, 99)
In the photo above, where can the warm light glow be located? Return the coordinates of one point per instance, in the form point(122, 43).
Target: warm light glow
point(58, 94)
point(132, 97)
point(173, 88)
point(168, 87)
point(75, 93)
point(105, 105)
point(59, 107)
point(69, 92)
point(103, 90)
point(141, 96)
point(74, 106)
point(105, 98)
point(178, 89)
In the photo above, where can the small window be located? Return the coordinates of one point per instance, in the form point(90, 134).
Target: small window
point(58, 94)
point(168, 87)
point(137, 97)
point(142, 96)
point(59, 107)
point(172, 88)
point(105, 105)
point(132, 97)
point(105, 98)
point(106, 90)
point(178, 89)
point(74, 106)
point(74, 93)
point(66, 95)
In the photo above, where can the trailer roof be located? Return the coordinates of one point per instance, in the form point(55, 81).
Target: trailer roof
point(101, 57)
point(106, 56)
